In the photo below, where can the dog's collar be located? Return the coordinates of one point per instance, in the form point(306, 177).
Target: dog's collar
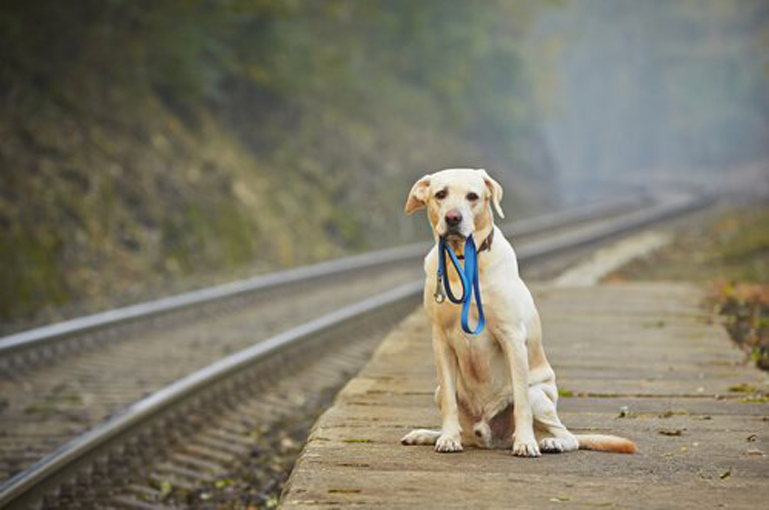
point(485, 245)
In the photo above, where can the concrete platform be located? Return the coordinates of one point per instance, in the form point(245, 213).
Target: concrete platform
point(650, 347)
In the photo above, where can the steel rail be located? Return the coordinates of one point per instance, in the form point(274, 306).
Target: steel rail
point(39, 337)
point(667, 207)
point(31, 484)
point(137, 415)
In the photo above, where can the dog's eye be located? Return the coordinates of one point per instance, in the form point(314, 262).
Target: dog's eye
point(441, 194)
point(472, 197)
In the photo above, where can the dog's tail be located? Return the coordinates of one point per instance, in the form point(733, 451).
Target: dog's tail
point(602, 443)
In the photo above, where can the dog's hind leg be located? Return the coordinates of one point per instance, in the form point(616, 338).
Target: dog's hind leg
point(556, 437)
point(421, 436)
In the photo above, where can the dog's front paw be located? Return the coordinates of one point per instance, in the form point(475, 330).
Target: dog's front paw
point(525, 447)
point(448, 444)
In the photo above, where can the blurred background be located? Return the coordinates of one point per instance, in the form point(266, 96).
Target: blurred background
point(152, 146)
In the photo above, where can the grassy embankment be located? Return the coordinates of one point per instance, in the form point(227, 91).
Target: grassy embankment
point(150, 147)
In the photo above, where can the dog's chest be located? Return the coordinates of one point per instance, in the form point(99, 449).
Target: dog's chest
point(477, 356)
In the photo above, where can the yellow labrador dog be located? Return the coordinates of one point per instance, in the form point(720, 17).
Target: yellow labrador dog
point(497, 388)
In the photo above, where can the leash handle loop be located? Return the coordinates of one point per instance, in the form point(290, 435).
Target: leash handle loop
point(470, 278)
point(444, 247)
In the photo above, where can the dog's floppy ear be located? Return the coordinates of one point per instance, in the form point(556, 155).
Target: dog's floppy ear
point(418, 195)
point(495, 190)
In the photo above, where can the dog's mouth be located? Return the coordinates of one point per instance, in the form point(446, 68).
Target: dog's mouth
point(453, 235)
point(456, 240)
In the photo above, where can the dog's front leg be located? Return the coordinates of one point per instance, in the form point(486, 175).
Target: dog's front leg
point(513, 343)
point(450, 439)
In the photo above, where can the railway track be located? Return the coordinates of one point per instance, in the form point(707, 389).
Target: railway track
point(39, 344)
point(59, 380)
point(205, 419)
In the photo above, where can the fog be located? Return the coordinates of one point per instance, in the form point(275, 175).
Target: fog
point(656, 92)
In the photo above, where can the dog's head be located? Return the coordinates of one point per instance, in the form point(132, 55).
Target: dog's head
point(458, 201)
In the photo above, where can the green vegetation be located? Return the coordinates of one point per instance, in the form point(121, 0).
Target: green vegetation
point(147, 141)
point(152, 146)
point(745, 308)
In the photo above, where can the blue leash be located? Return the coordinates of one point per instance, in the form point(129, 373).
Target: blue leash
point(470, 282)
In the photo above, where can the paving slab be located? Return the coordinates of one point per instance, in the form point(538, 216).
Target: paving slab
point(642, 360)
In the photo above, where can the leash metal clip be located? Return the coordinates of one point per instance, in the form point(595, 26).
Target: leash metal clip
point(439, 295)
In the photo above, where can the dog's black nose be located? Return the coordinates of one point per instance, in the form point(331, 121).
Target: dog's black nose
point(453, 218)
